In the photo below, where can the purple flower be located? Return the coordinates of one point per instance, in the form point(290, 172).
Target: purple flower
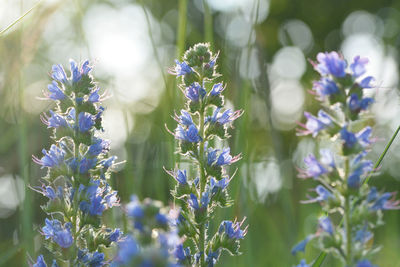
point(115, 235)
point(349, 138)
point(325, 87)
point(366, 82)
point(211, 258)
point(323, 195)
point(53, 158)
point(127, 250)
point(181, 177)
point(356, 105)
point(226, 117)
point(313, 168)
point(326, 225)
point(181, 253)
point(232, 229)
point(385, 201)
point(55, 92)
point(225, 158)
point(363, 235)
point(217, 89)
point(134, 209)
point(216, 186)
point(58, 73)
point(315, 125)
point(303, 264)
point(86, 164)
point(190, 135)
point(76, 73)
point(194, 91)
point(40, 262)
point(55, 120)
point(58, 233)
point(301, 246)
point(86, 121)
point(94, 96)
point(358, 66)
point(184, 118)
point(364, 135)
point(99, 146)
point(365, 263)
point(193, 202)
point(181, 68)
point(331, 64)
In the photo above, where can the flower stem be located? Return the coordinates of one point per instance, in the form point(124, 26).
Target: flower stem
point(202, 230)
point(346, 216)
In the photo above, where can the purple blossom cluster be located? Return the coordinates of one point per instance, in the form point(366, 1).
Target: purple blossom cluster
point(341, 171)
point(78, 170)
point(203, 120)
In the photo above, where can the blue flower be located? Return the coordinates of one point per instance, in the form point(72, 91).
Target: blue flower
point(134, 209)
point(363, 235)
point(194, 91)
point(373, 194)
point(326, 225)
point(232, 229)
point(353, 181)
point(53, 158)
point(184, 118)
point(40, 262)
point(225, 117)
point(115, 235)
point(181, 253)
point(60, 234)
point(86, 164)
point(217, 89)
point(98, 146)
point(313, 168)
point(301, 246)
point(349, 138)
point(55, 120)
point(181, 68)
point(211, 258)
point(358, 66)
point(211, 156)
point(364, 135)
point(303, 264)
point(161, 219)
point(327, 157)
point(55, 92)
point(85, 121)
point(384, 202)
point(366, 82)
point(107, 163)
point(94, 96)
point(323, 195)
point(325, 87)
point(356, 105)
point(127, 250)
point(365, 263)
point(193, 202)
point(95, 259)
point(190, 135)
point(58, 73)
point(331, 64)
point(181, 177)
point(216, 186)
point(314, 125)
point(225, 158)
point(77, 73)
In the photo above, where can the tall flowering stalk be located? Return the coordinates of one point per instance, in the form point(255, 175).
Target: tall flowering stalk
point(341, 169)
point(203, 119)
point(78, 169)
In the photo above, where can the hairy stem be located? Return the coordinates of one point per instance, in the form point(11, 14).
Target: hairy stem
point(346, 216)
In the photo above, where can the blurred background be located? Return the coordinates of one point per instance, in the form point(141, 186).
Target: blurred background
point(264, 47)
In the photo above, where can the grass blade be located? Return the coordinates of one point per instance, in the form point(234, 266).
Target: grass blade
point(20, 18)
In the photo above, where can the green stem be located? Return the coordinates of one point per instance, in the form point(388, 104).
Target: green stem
point(203, 179)
point(346, 217)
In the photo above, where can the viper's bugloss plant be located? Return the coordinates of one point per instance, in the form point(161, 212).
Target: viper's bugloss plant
point(78, 170)
point(204, 187)
point(341, 170)
point(153, 239)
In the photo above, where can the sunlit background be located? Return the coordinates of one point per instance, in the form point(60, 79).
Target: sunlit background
point(264, 50)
